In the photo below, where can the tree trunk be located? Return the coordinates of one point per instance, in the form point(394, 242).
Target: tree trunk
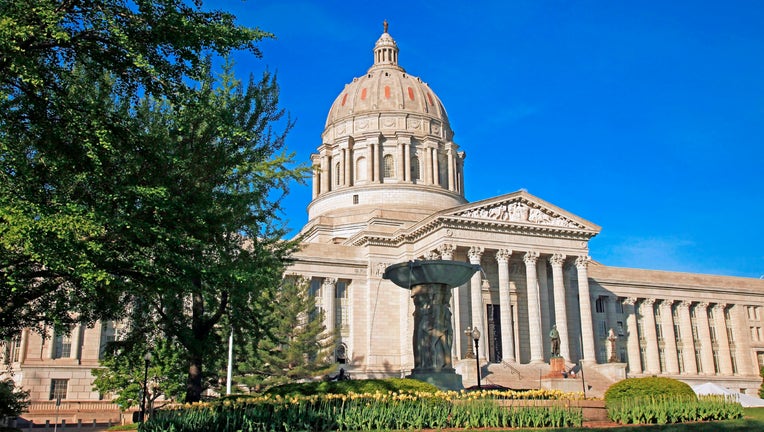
point(194, 384)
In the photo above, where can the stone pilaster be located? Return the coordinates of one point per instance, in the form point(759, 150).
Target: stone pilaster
point(560, 309)
point(746, 364)
point(704, 334)
point(327, 303)
point(725, 362)
point(534, 308)
point(669, 338)
point(585, 304)
point(507, 326)
point(688, 344)
point(316, 176)
point(651, 339)
point(76, 336)
point(476, 298)
point(632, 340)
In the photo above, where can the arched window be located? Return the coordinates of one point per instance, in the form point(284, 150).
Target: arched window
point(389, 166)
point(415, 168)
point(337, 174)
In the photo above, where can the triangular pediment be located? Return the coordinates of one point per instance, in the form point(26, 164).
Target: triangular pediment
point(521, 208)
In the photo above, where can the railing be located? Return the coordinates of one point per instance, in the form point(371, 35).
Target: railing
point(72, 406)
point(512, 369)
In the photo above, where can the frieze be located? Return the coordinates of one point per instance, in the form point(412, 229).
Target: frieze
point(520, 212)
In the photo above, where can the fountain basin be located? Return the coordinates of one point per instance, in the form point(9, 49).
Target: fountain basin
point(447, 272)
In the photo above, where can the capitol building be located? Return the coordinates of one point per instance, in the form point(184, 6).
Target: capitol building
point(388, 187)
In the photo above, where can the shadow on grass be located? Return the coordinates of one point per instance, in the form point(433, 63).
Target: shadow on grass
point(741, 425)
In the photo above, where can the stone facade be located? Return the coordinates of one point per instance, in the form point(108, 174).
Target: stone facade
point(388, 187)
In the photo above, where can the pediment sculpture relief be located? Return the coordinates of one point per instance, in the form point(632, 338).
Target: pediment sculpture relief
point(520, 212)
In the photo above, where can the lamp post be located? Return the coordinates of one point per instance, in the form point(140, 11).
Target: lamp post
point(147, 359)
point(476, 338)
point(468, 333)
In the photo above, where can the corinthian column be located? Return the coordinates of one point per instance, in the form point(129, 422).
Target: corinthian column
point(669, 338)
point(585, 304)
point(560, 310)
point(725, 362)
point(534, 308)
point(632, 341)
point(507, 327)
point(651, 338)
point(327, 303)
point(704, 334)
point(476, 296)
point(688, 344)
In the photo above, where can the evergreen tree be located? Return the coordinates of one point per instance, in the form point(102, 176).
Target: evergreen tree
point(298, 347)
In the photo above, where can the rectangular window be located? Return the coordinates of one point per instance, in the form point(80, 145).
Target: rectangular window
point(712, 331)
point(750, 313)
point(695, 332)
point(62, 346)
point(619, 324)
point(619, 305)
point(734, 362)
point(603, 329)
point(58, 389)
point(677, 330)
point(659, 330)
point(600, 305)
point(108, 335)
point(15, 349)
point(698, 362)
point(730, 335)
point(716, 361)
point(355, 199)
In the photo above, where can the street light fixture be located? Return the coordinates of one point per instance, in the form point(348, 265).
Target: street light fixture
point(147, 359)
point(476, 338)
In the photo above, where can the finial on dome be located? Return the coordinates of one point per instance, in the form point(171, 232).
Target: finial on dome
point(384, 24)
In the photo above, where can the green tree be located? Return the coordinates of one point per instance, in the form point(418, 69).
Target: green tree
point(132, 182)
point(123, 371)
point(69, 72)
point(298, 347)
point(13, 401)
point(197, 214)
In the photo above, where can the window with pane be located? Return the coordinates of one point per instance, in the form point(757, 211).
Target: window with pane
point(342, 319)
point(600, 305)
point(389, 166)
point(62, 346)
point(337, 174)
point(58, 389)
point(415, 168)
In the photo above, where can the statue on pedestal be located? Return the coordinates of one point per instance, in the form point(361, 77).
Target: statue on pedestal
point(554, 338)
point(612, 338)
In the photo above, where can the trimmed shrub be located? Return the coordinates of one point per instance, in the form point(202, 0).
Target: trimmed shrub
point(632, 388)
point(355, 386)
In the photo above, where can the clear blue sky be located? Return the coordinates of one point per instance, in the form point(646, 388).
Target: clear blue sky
point(646, 118)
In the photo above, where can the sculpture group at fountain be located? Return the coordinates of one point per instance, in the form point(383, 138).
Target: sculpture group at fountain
point(433, 335)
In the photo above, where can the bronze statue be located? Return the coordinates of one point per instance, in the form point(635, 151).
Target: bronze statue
point(554, 337)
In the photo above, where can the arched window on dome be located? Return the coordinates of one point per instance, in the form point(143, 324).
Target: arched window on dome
point(415, 168)
point(389, 166)
point(337, 174)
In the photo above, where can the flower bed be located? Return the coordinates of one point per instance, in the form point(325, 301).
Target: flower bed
point(673, 409)
point(372, 411)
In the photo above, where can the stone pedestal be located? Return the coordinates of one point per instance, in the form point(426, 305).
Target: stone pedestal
point(556, 368)
point(444, 380)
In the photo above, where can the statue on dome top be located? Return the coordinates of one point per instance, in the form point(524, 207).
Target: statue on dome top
point(384, 24)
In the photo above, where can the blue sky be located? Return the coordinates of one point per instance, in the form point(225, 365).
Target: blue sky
point(646, 118)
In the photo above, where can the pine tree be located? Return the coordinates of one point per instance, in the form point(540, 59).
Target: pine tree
point(298, 346)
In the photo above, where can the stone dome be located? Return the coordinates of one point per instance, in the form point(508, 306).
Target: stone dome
point(387, 152)
point(386, 87)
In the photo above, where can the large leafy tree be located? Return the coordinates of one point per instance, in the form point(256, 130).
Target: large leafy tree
point(132, 181)
point(69, 72)
point(299, 347)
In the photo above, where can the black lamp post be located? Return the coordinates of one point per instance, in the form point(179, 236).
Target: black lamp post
point(476, 338)
point(147, 359)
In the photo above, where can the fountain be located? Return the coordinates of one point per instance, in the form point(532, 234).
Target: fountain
point(430, 283)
